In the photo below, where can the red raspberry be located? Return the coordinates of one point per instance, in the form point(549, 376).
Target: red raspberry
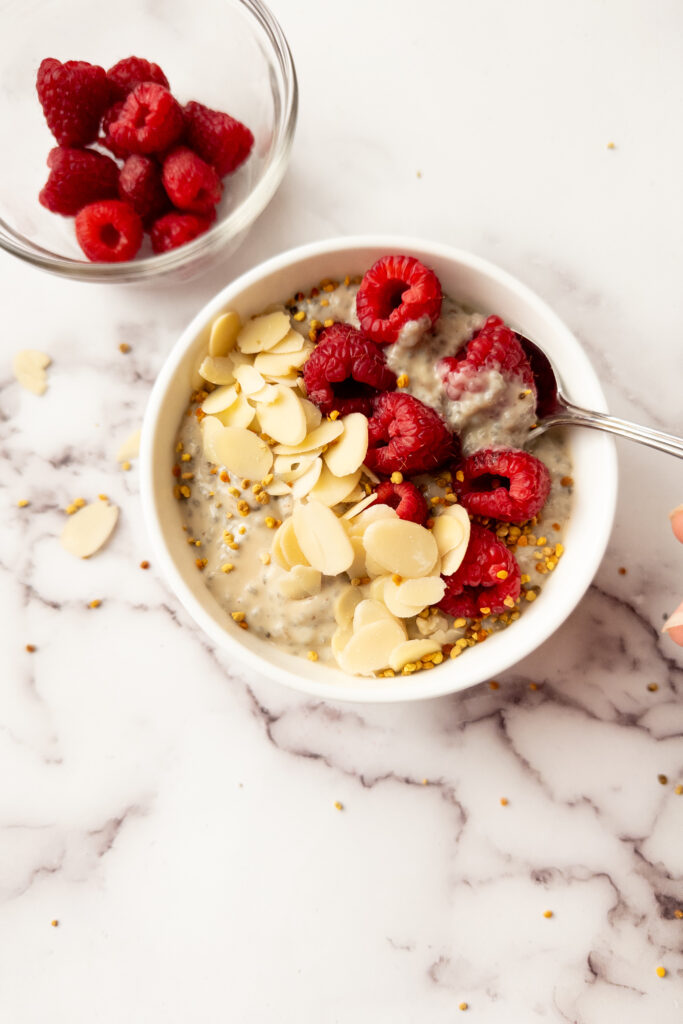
point(140, 185)
point(191, 183)
point(494, 347)
point(109, 232)
point(476, 585)
point(503, 483)
point(110, 115)
point(218, 138)
point(133, 71)
point(174, 229)
point(408, 501)
point(149, 121)
point(395, 291)
point(407, 436)
point(77, 177)
point(73, 97)
point(346, 371)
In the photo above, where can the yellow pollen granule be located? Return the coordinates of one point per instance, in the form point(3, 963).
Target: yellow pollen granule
point(660, 972)
point(22, 503)
point(509, 602)
point(334, 415)
point(312, 655)
point(396, 477)
point(462, 1006)
point(339, 805)
point(403, 381)
point(459, 623)
point(530, 595)
point(265, 557)
point(547, 913)
point(95, 604)
point(397, 579)
point(504, 801)
point(238, 616)
point(270, 522)
point(525, 578)
point(299, 316)
point(678, 790)
point(186, 457)
point(185, 491)
point(227, 567)
point(328, 323)
point(460, 476)
point(502, 575)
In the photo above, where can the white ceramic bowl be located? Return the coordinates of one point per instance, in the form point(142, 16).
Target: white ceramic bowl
point(473, 281)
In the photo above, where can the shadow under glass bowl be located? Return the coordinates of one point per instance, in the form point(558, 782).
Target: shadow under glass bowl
point(228, 54)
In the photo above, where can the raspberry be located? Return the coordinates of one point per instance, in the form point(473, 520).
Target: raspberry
point(405, 498)
point(77, 177)
point(503, 483)
point(139, 184)
point(476, 585)
point(396, 291)
point(406, 436)
point(109, 231)
point(132, 71)
point(110, 115)
point(174, 229)
point(191, 183)
point(73, 97)
point(149, 121)
point(346, 371)
point(218, 138)
point(494, 347)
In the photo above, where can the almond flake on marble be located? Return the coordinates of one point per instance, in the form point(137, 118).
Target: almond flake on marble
point(29, 366)
point(220, 399)
point(370, 648)
point(345, 605)
point(261, 333)
point(224, 331)
point(368, 516)
point(411, 650)
point(356, 509)
point(313, 415)
point(348, 452)
point(217, 370)
point(327, 432)
point(89, 529)
point(305, 484)
point(292, 342)
point(284, 419)
point(330, 489)
point(322, 538)
point(300, 582)
point(289, 545)
point(130, 448)
point(239, 414)
point(250, 380)
point(401, 547)
point(242, 452)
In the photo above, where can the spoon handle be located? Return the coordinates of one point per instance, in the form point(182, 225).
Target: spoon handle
point(574, 415)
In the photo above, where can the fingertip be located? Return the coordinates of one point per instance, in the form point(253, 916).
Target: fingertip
point(676, 517)
point(673, 626)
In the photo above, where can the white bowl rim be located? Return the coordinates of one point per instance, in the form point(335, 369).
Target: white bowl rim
point(403, 688)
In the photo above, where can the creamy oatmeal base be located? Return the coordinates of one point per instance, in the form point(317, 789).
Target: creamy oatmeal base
point(228, 525)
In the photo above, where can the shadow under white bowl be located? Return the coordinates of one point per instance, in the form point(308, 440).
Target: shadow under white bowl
point(468, 279)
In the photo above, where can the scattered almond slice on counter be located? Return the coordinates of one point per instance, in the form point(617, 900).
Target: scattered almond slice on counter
point(451, 531)
point(327, 432)
point(345, 605)
point(370, 648)
point(401, 547)
point(241, 452)
point(301, 581)
point(284, 419)
point(130, 448)
point(322, 538)
point(347, 453)
point(249, 379)
point(224, 332)
point(358, 508)
point(307, 482)
point(29, 366)
point(89, 529)
point(217, 370)
point(220, 399)
point(411, 651)
point(263, 332)
point(330, 489)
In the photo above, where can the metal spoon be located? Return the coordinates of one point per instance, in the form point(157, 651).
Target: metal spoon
point(555, 409)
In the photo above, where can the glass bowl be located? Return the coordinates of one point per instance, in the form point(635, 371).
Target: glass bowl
point(228, 54)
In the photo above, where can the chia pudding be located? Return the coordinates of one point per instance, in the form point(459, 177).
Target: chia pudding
point(303, 531)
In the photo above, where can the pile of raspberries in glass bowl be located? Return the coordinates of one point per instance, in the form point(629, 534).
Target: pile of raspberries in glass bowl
point(167, 164)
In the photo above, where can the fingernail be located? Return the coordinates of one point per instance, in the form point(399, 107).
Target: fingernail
point(675, 511)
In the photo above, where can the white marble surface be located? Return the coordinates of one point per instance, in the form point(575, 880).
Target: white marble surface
point(178, 818)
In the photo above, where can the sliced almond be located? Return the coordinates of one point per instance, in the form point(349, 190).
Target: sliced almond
point(130, 448)
point(224, 331)
point(219, 400)
point(267, 394)
point(278, 488)
point(372, 477)
point(322, 538)
point(291, 467)
point(279, 365)
point(327, 432)
point(290, 381)
point(29, 367)
point(352, 512)
point(292, 342)
point(347, 453)
point(332, 489)
point(369, 611)
point(411, 650)
point(87, 530)
point(313, 415)
point(376, 588)
point(345, 605)
point(370, 648)
point(239, 414)
point(289, 545)
point(261, 333)
point(242, 452)
point(307, 482)
point(357, 568)
point(368, 516)
point(356, 495)
point(276, 549)
point(390, 593)
point(339, 640)
point(422, 592)
point(284, 419)
point(250, 380)
point(217, 370)
point(452, 534)
point(211, 426)
point(301, 581)
point(401, 547)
